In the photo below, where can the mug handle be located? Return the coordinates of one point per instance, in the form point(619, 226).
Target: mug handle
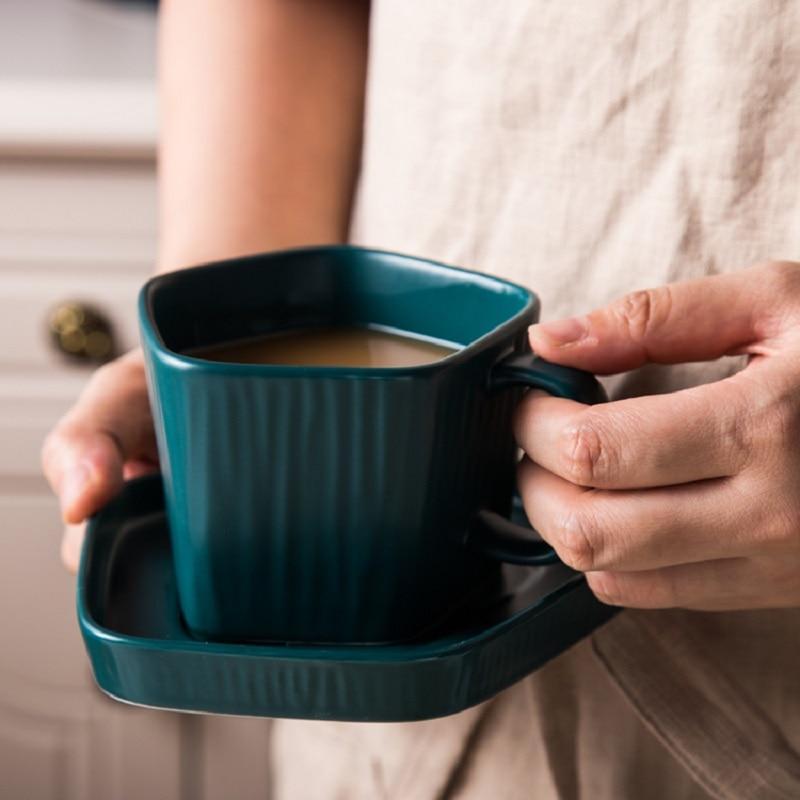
point(492, 534)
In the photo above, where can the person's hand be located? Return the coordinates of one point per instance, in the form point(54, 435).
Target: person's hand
point(106, 437)
point(689, 499)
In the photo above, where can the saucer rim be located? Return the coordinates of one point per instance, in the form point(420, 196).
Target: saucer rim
point(366, 683)
point(399, 652)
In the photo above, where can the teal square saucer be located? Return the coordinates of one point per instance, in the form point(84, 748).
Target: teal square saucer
point(141, 652)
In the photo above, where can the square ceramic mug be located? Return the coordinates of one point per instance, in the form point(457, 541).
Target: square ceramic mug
point(340, 504)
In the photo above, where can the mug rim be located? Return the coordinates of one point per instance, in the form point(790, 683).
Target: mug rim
point(154, 342)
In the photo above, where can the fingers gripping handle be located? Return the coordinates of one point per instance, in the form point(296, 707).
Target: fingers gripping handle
point(492, 534)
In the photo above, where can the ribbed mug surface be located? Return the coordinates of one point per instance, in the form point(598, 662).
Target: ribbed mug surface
point(328, 504)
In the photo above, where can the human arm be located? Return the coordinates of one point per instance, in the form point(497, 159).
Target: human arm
point(261, 123)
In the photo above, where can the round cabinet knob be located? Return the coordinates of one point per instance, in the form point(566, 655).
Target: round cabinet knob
point(81, 332)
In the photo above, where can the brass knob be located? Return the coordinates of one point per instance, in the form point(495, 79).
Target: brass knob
point(81, 332)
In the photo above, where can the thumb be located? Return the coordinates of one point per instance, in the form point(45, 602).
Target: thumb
point(85, 454)
point(695, 320)
point(84, 467)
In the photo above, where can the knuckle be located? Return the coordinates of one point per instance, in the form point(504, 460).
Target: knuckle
point(779, 283)
point(588, 456)
point(781, 415)
point(576, 542)
point(109, 371)
point(112, 376)
point(770, 408)
point(52, 446)
point(735, 433)
point(643, 311)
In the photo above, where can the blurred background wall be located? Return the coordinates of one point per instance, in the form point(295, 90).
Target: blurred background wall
point(78, 126)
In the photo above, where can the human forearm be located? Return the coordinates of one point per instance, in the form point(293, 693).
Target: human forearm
point(261, 124)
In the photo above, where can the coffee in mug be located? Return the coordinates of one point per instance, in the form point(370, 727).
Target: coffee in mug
point(329, 347)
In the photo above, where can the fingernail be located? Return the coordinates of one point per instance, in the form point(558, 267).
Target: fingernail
point(74, 485)
point(560, 332)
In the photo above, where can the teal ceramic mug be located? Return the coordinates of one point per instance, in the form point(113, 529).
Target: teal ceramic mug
point(340, 504)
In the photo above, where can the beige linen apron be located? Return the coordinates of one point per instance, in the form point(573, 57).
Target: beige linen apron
point(586, 149)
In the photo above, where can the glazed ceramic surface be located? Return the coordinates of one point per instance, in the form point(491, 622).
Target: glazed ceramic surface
point(330, 504)
point(141, 652)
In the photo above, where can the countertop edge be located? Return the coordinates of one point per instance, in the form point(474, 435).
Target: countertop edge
point(86, 119)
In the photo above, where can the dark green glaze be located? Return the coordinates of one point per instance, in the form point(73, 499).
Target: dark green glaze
point(333, 504)
point(141, 653)
point(491, 533)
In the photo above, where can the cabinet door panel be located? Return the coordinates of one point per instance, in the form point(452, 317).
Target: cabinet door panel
point(81, 197)
point(35, 758)
point(29, 406)
point(59, 737)
point(43, 666)
point(27, 299)
point(86, 232)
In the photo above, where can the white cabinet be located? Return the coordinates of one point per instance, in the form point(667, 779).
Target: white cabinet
point(59, 736)
point(84, 230)
point(78, 222)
